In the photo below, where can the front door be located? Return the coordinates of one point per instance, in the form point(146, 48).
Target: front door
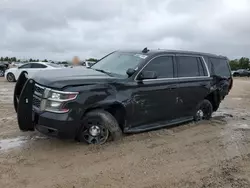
point(154, 100)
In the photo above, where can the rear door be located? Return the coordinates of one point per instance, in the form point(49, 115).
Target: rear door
point(194, 82)
point(155, 99)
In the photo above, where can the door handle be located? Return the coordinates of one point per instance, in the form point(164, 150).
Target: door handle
point(172, 87)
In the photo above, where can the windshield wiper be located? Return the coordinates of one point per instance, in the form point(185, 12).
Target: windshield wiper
point(103, 71)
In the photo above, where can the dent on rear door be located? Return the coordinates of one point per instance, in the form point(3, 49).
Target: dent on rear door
point(191, 92)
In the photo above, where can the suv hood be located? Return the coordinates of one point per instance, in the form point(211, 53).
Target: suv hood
point(59, 78)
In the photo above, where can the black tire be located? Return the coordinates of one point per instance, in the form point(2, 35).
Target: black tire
point(1, 72)
point(11, 77)
point(99, 120)
point(203, 111)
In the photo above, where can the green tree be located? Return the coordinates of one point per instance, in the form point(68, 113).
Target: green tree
point(45, 60)
point(6, 59)
point(13, 59)
point(244, 63)
point(234, 64)
point(1, 59)
point(31, 60)
point(92, 59)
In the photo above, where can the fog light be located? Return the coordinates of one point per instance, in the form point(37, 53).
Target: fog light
point(55, 104)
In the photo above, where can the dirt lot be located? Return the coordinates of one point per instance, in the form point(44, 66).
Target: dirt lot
point(209, 154)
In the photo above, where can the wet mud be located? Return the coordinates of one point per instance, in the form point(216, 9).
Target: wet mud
point(208, 154)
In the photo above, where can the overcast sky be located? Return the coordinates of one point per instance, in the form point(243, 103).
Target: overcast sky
point(60, 29)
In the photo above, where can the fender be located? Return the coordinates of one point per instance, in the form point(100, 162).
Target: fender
point(105, 104)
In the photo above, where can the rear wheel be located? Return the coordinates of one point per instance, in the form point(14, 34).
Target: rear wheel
point(11, 77)
point(203, 111)
point(98, 127)
point(1, 72)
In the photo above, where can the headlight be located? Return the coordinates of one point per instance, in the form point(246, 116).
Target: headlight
point(56, 100)
point(62, 96)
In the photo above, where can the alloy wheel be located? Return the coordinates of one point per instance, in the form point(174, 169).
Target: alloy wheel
point(94, 132)
point(204, 112)
point(1, 73)
point(10, 77)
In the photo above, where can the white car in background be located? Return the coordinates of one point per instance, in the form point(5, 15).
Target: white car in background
point(88, 63)
point(13, 74)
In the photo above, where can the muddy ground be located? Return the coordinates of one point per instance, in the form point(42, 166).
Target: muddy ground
point(210, 154)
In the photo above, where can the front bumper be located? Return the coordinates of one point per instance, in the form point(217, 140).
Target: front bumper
point(56, 125)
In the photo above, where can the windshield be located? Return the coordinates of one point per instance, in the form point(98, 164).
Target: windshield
point(119, 62)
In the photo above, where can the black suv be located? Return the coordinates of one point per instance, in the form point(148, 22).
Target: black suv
point(124, 92)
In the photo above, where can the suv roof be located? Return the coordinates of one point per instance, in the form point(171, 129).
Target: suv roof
point(161, 51)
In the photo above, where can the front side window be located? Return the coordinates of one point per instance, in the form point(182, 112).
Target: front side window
point(119, 62)
point(163, 66)
point(189, 66)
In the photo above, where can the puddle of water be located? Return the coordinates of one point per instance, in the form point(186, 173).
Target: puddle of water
point(11, 143)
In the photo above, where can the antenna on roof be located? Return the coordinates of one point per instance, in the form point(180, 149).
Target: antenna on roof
point(145, 50)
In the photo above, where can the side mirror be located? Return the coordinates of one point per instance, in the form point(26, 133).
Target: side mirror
point(147, 75)
point(130, 72)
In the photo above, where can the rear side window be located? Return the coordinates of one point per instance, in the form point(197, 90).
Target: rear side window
point(37, 66)
point(220, 67)
point(189, 66)
point(163, 66)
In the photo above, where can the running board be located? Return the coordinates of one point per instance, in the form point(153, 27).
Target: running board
point(157, 125)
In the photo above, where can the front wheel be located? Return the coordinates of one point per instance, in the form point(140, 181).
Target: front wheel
point(97, 127)
point(11, 77)
point(203, 111)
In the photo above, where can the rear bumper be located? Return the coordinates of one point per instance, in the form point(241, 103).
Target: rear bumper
point(56, 125)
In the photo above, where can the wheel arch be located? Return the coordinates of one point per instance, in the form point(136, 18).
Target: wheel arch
point(115, 108)
point(214, 99)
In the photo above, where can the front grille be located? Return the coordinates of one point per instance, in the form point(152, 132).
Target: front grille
point(38, 95)
point(36, 102)
point(39, 90)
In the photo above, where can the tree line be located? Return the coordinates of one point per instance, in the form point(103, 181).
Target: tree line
point(242, 63)
point(14, 59)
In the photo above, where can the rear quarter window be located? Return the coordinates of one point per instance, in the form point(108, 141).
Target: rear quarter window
point(220, 67)
point(191, 66)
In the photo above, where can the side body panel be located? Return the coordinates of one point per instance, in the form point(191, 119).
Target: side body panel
point(191, 92)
